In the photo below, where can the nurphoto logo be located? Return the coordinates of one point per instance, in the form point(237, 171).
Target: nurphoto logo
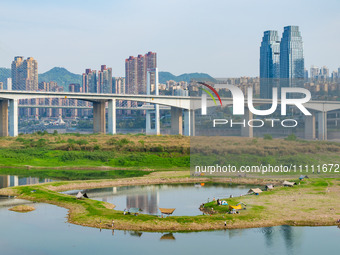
point(239, 102)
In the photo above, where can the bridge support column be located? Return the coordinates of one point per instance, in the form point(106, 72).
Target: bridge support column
point(99, 117)
point(148, 129)
point(111, 117)
point(310, 127)
point(157, 120)
point(13, 117)
point(247, 131)
point(156, 130)
point(322, 125)
point(176, 121)
point(189, 122)
point(3, 117)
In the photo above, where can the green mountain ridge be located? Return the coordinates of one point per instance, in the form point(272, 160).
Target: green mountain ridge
point(60, 75)
point(64, 77)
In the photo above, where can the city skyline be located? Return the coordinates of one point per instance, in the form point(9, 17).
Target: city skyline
point(185, 44)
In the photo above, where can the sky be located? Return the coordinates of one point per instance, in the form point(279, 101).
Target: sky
point(218, 37)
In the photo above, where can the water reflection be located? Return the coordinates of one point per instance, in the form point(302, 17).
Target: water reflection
point(186, 198)
point(14, 180)
point(168, 236)
point(291, 236)
point(148, 203)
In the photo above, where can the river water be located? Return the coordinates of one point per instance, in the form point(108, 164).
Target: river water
point(46, 231)
point(186, 198)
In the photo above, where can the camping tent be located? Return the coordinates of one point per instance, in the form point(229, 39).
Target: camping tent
point(79, 195)
point(255, 191)
point(288, 184)
point(134, 210)
point(224, 202)
point(269, 187)
point(303, 177)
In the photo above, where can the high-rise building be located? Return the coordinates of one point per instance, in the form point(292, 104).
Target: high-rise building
point(131, 75)
point(141, 74)
point(335, 76)
point(136, 72)
point(9, 83)
point(151, 62)
point(292, 64)
point(119, 85)
point(89, 81)
point(314, 72)
point(24, 74)
point(324, 73)
point(269, 63)
point(105, 80)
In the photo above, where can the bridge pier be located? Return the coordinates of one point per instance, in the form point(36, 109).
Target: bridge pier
point(148, 128)
point(111, 117)
point(4, 117)
point(99, 117)
point(310, 127)
point(13, 117)
point(246, 130)
point(189, 122)
point(322, 125)
point(176, 121)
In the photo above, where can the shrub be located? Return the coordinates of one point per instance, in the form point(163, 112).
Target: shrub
point(20, 139)
point(267, 137)
point(291, 137)
point(82, 142)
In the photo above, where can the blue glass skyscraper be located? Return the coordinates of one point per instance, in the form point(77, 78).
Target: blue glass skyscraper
point(269, 63)
point(292, 64)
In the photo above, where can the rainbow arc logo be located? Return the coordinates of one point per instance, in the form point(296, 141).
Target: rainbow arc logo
point(204, 97)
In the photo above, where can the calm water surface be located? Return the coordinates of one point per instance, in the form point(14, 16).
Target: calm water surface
point(186, 198)
point(46, 231)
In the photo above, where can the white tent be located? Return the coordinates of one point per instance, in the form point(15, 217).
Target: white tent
point(288, 184)
point(79, 195)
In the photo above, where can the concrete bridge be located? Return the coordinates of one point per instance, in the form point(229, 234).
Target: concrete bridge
point(180, 106)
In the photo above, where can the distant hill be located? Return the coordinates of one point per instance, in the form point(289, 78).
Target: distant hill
point(64, 77)
point(166, 76)
point(60, 75)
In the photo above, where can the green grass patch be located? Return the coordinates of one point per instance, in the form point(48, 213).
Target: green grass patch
point(73, 174)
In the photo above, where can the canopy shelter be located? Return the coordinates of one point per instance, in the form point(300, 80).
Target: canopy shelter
point(167, 211)
point(303, 177)
point(235, 207)
point(242, 204)
point(288, 184)
point(255, 191)
point(269, 187)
